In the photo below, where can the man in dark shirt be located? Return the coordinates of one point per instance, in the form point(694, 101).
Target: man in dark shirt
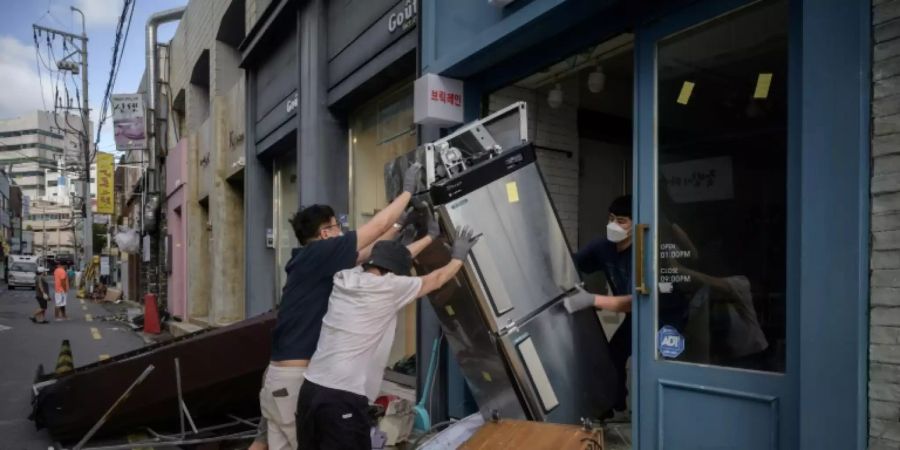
point(325, 250)
point(612, 255)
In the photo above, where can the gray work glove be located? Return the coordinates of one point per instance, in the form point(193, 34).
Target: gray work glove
point(463, 244)
point(411, 178)
point(404, 218)
point(579, 300)
point(432, 226)
point(406, 236)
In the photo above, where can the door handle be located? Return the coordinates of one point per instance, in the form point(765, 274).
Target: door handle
point(639, 272)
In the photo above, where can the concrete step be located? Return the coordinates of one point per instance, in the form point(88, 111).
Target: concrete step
point(182, 328)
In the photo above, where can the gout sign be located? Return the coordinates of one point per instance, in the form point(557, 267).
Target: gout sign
point(404, 18)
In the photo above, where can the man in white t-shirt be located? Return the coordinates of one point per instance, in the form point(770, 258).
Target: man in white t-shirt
point(345, 371)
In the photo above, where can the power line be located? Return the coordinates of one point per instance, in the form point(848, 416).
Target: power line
point(115, 63)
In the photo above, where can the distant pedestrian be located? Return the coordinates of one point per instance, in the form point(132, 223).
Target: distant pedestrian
point(42, 294)
point(71, 274)
point(61, 284)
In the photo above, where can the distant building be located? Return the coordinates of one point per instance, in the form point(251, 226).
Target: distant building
point(53, 226)
point(39, 149)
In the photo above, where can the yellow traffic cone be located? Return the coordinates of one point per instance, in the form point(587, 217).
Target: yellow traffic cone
point(65, 363)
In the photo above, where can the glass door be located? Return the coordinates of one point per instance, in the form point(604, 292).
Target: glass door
point(285, 202)
point(713, 366)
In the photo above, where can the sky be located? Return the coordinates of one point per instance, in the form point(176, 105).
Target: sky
point(20, 85)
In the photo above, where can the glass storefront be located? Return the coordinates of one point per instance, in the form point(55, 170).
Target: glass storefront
point(285, 202)
point(380, 131)
point(721, 143)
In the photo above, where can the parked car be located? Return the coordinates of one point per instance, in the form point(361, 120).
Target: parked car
point(21, 271)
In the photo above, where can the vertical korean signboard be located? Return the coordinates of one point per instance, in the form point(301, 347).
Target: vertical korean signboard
point(128, 121)
point(105, 196)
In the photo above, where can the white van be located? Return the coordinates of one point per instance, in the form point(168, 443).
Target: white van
point(21, 270)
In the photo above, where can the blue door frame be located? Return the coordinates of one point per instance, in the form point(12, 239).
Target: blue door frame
point(685, 405)
point(828, 198)
point(828, 251)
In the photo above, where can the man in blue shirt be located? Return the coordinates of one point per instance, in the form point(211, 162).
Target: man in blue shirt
point(612, 255)
point(325, 250)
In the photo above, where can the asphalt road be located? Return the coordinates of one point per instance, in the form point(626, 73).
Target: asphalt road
point(24, 345)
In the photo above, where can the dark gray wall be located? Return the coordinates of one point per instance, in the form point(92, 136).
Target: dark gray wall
point(323, 162)
point(259, 261)
point(348, 18)
point(274, 82)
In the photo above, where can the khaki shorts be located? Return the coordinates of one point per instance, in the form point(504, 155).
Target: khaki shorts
point(278, 403)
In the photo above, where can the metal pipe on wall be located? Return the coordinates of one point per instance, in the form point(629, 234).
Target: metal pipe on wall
point(153, 23)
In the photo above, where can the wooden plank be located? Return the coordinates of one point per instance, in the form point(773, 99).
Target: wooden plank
point(522, 434)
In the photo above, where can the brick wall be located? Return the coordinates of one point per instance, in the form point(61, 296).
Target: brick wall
point(884, 353)
point(556, 129)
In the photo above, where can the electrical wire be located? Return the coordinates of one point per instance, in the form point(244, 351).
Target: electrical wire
point(115, 64)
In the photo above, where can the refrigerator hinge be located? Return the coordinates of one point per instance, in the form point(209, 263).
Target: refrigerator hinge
point(510, 327)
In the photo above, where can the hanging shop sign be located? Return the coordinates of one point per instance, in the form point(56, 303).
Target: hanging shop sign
point(106, 198)
point(438, 101)
point(128, 121)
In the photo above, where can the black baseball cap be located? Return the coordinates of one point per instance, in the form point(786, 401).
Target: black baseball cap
point(391, 256)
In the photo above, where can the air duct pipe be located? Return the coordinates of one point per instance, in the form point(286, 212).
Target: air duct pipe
point(155, 20)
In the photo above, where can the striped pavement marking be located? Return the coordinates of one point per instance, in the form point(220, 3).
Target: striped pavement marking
point(103, 356)
point(96, 333)
point(88, 317)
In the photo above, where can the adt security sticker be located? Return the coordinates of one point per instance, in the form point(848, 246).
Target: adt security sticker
point(671, 343)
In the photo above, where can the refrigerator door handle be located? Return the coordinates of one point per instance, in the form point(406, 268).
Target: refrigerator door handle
point(640, 235)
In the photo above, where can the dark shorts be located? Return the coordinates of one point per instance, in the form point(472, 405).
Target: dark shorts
point(41, 302)
point(332, 419)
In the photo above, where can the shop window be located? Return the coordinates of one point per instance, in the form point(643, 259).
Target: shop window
point(721, 145)
point(285, 204)
point(380, 131)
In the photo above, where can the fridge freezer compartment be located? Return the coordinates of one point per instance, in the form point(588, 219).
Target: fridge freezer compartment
point(476, 351)
point(572, 352)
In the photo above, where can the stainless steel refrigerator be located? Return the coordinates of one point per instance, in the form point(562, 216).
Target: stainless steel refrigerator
point(522, 354)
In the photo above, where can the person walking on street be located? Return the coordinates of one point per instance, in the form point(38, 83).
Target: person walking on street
point(42, 294)
point(61, 285)
point(324, 251)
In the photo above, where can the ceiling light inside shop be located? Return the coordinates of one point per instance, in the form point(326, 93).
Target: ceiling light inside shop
point(596, 80)
point(555, 97)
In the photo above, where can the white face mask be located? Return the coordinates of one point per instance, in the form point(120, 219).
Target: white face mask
point(615, 232)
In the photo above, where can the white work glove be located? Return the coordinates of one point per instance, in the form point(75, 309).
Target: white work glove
point(579, 300)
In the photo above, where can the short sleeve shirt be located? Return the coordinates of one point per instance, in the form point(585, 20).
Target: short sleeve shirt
point(601, 254)
point(304, 298)
point(358, 330)
point(60, 278)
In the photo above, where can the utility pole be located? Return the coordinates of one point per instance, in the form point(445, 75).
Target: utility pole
point(85, 120)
